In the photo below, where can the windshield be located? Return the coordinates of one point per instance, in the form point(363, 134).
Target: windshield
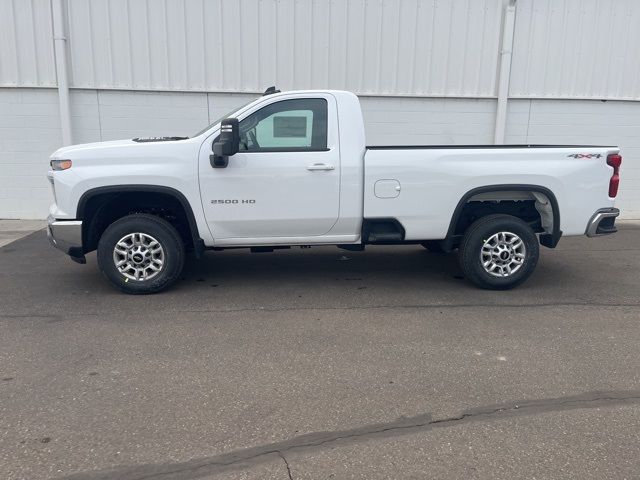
point(222, 118)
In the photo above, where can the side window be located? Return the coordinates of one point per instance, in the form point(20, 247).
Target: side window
point(289, 125)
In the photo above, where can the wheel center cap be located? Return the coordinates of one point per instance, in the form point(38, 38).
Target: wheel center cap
point(504, 255)
point(137, 257)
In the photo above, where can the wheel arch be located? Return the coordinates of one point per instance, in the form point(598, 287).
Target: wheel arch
point(112, 191)
point(548, 239)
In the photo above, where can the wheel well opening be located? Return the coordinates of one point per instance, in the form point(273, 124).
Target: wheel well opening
point(102, 209)
point(533, 207)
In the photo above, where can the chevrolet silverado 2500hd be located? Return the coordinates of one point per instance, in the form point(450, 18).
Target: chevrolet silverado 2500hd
point(293, 169)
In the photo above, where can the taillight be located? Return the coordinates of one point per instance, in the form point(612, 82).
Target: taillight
point(614, 160)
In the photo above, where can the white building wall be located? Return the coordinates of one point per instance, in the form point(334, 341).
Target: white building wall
point(29, 129)
point(447, 48)
point(576, 49)
point(594, 123)
point(562, 48)
point(29, 132)
point(426, 70)
point(26, 46)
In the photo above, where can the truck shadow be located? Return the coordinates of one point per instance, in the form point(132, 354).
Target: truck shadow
point(320, 277)
point(321, 264)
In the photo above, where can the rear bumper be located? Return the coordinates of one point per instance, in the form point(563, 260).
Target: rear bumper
point(66, 235)
point(603, 222)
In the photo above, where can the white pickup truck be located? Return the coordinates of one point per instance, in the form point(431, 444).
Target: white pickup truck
point(293, 169)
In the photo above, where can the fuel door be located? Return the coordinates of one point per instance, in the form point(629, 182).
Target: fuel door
point(387, 188)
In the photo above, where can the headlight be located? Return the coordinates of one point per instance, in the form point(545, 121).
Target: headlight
point(60, 164)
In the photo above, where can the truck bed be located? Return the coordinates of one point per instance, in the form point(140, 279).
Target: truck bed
point(421, 186)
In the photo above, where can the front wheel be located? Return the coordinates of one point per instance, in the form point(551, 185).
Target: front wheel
point(498, 252)
point(141, 254)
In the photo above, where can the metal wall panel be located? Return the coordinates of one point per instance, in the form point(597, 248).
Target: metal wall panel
point(26, 46)
point(577, 49)
point(414, 47)
point(562, 49)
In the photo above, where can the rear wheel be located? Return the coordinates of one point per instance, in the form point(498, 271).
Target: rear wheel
point(499, 252)
point(141, 254)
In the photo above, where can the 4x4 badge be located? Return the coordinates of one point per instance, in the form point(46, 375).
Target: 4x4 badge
point(585, 155)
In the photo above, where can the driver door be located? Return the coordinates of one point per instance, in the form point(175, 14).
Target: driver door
point(284, 183)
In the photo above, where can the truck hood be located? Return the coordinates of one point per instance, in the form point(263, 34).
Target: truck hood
point(101, 149)
point(73, 150)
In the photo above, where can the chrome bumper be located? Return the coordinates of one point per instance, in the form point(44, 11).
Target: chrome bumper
point(66, 235)
point(602, 222)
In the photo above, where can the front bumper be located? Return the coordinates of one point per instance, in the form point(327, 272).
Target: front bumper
point(66, 235)
point(603, 222)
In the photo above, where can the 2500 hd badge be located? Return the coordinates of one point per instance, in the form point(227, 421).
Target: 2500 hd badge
point(234, 201)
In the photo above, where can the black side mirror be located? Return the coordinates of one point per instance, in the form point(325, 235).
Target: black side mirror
point(228, 143)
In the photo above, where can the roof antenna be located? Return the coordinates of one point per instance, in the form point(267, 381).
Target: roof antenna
point(270, 91)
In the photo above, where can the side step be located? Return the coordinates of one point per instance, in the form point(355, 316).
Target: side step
point(385, 237)
point(268, 249)
point(382, 230)
point(358, 247)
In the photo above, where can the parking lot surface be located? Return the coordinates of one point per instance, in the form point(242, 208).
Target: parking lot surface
point(322, 363)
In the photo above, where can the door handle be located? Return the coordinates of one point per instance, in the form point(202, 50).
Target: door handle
point(320, 166)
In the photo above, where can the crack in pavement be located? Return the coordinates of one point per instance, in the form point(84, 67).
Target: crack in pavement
point(286, 463)
point(243, 458)
point(346, 308)
point(418, 307)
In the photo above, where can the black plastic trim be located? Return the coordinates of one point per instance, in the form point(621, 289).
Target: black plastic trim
point(366, 230)
point(77, 255)
point(285, 150)
point(198, 243)
point(548, 240)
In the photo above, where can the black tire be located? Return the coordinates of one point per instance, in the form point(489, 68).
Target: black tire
point(161, 231)
point(481, 232)
point(434, 246)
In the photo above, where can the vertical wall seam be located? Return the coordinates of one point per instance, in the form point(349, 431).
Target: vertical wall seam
point(35, 42)
point(15, 42)
point(506, 51)
point(148, 44)
point(208, 109)
point(412, 66)
point(220, 38)
point(110, 46)
point(167, 42)
point(132, 80)
point(60, 47)
point(526, 139)
point(328, 43)
point(99, 114)
point(185, 52)
point(94, 81)
point(241, 73)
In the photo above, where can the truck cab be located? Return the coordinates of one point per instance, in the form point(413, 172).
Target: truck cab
point(293, 165)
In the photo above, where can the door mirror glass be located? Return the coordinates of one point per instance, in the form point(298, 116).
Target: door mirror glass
point(227, 144)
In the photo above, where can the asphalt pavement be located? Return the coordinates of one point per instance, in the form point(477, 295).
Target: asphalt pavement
point(322, 363)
